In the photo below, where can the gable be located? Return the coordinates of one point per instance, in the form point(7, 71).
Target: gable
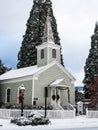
point(59, 83)
point(28, 73)
point(59, 68)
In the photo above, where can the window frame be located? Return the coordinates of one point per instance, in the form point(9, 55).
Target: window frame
point(54, 53)
point(42, 54)
point(8, 95)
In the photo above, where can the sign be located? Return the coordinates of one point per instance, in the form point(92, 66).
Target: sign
point(35, 98)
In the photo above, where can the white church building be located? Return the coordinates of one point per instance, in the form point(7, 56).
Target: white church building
point(48, 73)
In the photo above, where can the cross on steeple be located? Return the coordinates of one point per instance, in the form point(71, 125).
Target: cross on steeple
point(48, 33)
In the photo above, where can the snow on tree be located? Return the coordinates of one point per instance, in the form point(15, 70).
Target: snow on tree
point(91, 70)
point(27, 55)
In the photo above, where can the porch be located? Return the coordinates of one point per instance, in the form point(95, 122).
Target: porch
point(60, 94)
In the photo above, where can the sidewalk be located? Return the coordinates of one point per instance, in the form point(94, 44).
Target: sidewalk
point(77, 122)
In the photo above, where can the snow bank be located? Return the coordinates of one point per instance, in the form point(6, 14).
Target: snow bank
point(77, 122)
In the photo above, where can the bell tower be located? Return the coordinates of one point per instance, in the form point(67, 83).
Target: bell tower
point(48, 51)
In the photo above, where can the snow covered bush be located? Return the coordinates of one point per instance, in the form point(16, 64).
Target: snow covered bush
point(33, 119)
point(38, 119)
point(21, 121)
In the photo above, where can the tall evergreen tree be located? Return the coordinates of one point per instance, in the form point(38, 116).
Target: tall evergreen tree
point(27, 55)
point(86, 92)
point(91, 69)
point(33, 36)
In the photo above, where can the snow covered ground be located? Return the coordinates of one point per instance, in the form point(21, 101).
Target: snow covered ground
point(56, 124)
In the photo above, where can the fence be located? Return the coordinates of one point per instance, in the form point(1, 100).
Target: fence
point(54, 114)
point(92, 113)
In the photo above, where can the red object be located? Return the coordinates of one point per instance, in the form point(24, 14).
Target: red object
point(53, 97)
point(58, 97)
point(21, 95)
point(93, 90)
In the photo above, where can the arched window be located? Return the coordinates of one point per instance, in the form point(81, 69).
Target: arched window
point(8, 95)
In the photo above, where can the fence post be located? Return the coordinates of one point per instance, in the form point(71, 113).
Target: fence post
point(86, 112)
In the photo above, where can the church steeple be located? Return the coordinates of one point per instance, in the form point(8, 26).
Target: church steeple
point(48, 34)
point(48, 51)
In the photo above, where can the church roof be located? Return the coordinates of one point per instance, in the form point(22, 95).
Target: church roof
point(20, 72)
point(33, 70)
point(56, 82)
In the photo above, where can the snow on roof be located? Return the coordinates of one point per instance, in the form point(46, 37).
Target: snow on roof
point(20, 72)
point(27, 71)
point(56, 82)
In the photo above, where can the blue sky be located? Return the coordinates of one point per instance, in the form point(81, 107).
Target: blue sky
point(75, 21)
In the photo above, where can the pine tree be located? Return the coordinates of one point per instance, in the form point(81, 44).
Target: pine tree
point(79, 96)
point(3, 68)
point(86, 92)
point(33, 36)
point(91, 69)
point(27, 55)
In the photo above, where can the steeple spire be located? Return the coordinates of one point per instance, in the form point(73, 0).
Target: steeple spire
point(48, 34)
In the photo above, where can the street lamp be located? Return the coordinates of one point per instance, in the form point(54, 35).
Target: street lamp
point(46, 95)
point(21, 97)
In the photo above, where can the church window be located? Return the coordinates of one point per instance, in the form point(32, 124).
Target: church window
point(53, 53)
point(8, 95)
point(42, 53)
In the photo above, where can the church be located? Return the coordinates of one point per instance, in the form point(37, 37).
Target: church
point(48, 73)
